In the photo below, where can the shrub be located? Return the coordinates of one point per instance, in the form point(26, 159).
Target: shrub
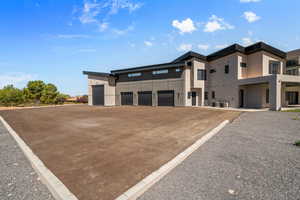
point(297, 143)
point(11, 96)
point(49, 94)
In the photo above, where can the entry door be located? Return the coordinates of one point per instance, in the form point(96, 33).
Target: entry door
point(98, 95)
point(127, 98)
point(194, 98)
point(292, 98)
point(241, 99)
point(165, 98)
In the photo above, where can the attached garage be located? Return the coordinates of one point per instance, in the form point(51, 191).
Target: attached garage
point(145, 98)
point(165, 98)
point(98, 95)
point(126, 98)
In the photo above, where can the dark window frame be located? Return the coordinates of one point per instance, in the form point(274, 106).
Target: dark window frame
point(226, 69)
point(205, 95)
point(243, 64)
point(271, 67)
point(213, 94)
point(201, 74)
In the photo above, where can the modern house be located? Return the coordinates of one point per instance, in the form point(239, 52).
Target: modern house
point(240, 77)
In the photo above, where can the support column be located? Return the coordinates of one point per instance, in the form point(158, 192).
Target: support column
point(275, 93)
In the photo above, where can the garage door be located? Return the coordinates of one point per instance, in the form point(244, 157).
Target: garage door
point(165, 98)
point(126, 98)
point(98, 95)
point(145, 98)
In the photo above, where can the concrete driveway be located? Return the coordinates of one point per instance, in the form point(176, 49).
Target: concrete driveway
point(252, 158)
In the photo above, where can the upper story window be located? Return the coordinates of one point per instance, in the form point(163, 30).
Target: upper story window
point(201, 74)
point(212, 71)
point(243, 64)
point(290, 63)
point(274, 67)
point(134, 74)
point(163, 71)
point(213, 95)
point(178, 70)
point(226, 69)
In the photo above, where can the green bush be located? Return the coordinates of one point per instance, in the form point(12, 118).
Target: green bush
point(297, 143)
point(49, 94)
point(36, 92)
point(11, 96)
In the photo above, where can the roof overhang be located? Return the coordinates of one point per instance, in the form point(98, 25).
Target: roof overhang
point(100, 74)
point(148, 67)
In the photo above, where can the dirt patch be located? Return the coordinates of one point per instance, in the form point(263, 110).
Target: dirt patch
point(99, 153)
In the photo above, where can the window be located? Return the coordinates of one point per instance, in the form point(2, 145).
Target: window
point(134, 74)
point(212, 71)
point(163, 71)
point(274, 67)
point(290, 63)
point(201, 74)
point(189, 64)
point(213, 95)
point(178, 70)
point(226, 69)
point(243, 64)
point(205, 95)
point(267, 95)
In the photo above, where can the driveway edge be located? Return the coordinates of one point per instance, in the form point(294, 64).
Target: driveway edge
point(55, 186)
point(142, 186)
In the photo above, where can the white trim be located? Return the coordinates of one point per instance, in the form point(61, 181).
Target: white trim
point(141, 187)
point(55, 186)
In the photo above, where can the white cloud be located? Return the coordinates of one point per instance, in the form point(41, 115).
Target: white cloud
point(203, 47)
point(185, 26)
point(185, 47)
point(95, 11)
point(148, 43)
point(120, 32)
point(72, 36)
point(17, 79)
point(251, 16)
point(249, 1)
point(103, 26)
point(221, 46)
point(247, 41)
point(215, 23)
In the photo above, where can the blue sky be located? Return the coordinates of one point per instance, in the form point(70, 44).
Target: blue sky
point(55, 40)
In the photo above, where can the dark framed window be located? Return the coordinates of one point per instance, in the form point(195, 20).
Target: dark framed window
point(212, 71)
point(267, 95)
point(134, 74)
point(201, 74)
point(226, 69)
point(274, 67)
point(205, 95)
point(213, 95)
point(243, 64)
point(178, 70)
point(163, 71)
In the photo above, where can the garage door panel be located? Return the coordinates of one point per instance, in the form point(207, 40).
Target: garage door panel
point(165, 98)
point(145, 98)
point(98, 95)
point(126, 98)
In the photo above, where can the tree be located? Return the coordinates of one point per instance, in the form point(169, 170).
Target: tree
point(61, 98)
point(49, 94)
point(11, 96)
point(34, 90)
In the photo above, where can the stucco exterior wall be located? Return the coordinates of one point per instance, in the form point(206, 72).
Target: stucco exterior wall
point(255, 96)
point(267, 57)
point(224, 85)
point(109, 89)
point(152, 85)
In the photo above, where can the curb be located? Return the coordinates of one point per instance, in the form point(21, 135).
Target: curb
point(36, 107)
point(55, 186)
point(137, 190)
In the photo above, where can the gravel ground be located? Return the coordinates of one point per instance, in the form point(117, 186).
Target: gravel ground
point(252, 158)
point(18, 181)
